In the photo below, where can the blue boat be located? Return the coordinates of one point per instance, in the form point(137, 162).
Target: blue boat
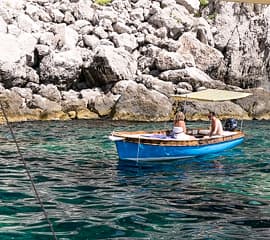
point(160, 146)
point(157, 146)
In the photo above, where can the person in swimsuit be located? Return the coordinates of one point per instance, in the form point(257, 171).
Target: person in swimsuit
point(216, 125)
point(179, 122)
point(179, 127)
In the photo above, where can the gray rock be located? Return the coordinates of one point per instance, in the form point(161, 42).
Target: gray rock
point(3, 25)
point(91, 41)
point(175, 18)
point(206, 58)
point(56, 15)
point(25, 93)
point(26, 24)
point(89, 95)
point(13, 30)
point(137, 14)
point(110, 65)
point(167, 3)
point(106, 24)
point(257, 105)
point(152, 83)
point(120, 27)
point(36, 13)
point(71, 101)
point(42, 50)
point(44, 104)
point(31, 75)
point(138, 103)
point(203, 31)
point(46, 38)
point(69, 18)
point(16, 109)
point(84, 10)
point(27, 43)
point(106, 13)
point(65, 37)
point(121, 86)
point(191, 5)
point(61, 69)
point(193, 76)
point(10, 48)
point(125, 40)
point(103, 104)
point(185, 85)
point(100, 32)
point(50, 92)
point(106, 42)
point(242, 35)
point(171, 61)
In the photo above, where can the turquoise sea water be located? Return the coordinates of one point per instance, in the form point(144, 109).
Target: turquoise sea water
point(89, 194)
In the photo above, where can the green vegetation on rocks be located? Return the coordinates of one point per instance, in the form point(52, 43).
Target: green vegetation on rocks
point(102, 2)
point(204, 2)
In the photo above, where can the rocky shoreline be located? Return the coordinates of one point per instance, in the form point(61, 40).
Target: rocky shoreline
point(77, 59)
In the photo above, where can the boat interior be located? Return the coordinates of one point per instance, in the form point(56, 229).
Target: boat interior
point(192, 134)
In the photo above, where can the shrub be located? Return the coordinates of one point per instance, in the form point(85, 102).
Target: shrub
point(204, 2)
point(102, 2)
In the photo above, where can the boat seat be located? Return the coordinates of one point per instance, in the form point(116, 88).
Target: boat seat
point(228, 133)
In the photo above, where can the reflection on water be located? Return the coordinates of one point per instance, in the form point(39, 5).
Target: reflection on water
point(90, 194)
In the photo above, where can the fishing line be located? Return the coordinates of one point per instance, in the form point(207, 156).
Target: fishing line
point(27, 171)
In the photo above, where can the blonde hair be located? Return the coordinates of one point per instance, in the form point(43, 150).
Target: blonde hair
point(179, 116)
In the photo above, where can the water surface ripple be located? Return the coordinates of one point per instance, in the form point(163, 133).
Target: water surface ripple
point(89, 194)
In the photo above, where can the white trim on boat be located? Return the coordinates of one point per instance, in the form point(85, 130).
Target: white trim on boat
point(113, 138)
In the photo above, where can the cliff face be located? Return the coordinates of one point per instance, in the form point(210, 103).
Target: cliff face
point(242, 35)
point(78, 59)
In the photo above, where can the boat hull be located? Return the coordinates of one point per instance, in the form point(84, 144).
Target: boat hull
point(148, 152)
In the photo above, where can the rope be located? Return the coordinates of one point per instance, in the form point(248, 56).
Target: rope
point(28, 172)
point(138, 150)
point(241, 125)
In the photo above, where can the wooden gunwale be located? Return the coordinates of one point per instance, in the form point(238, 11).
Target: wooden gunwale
point(127, 137)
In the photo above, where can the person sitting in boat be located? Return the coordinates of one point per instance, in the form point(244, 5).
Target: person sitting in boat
point(216, 125)
point(179, 127)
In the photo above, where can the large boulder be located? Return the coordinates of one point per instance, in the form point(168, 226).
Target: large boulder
point(170, 60)
point(138, 103)
point(110, 65)
point(10, 48)
point(44, 104)
point(50, 92)
point(125, 40)
point(65, 37)
point(206, 58)
point(61, 69)
point(192, 75)
point(17, 53)
point(258, 105)
point(16, 107)
point(104, 104)
point(153, 83)
point(83, 10)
